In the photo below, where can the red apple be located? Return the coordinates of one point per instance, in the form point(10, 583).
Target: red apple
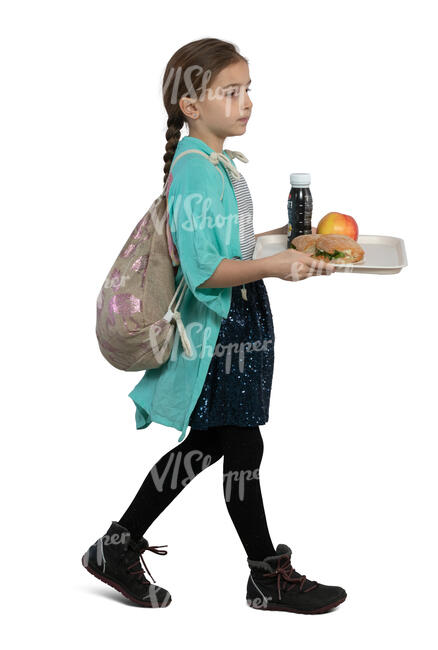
point(336, 223)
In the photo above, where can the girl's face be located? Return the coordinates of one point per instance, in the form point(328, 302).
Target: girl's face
point(220, 109)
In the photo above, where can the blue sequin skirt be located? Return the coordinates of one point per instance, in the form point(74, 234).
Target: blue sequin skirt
point(237, 386)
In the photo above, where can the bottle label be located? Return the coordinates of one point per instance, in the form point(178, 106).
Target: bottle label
point(299, 207)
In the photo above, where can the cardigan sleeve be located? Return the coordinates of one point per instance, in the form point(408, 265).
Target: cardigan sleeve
point(200, 230)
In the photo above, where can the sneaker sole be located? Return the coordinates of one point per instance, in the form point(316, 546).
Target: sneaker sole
point(283, 608)
point(119, 588)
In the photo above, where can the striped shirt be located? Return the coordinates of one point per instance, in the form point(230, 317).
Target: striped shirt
point(245, 211)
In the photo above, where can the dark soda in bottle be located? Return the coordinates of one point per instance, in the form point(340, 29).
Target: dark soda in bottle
point(299, 207)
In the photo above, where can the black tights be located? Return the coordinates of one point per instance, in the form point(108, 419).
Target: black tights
point(242, 449)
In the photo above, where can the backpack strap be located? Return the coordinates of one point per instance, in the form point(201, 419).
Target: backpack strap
point(215, 158)
point(176, 315)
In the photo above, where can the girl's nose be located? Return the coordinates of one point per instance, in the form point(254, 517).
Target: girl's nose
point(246, 103)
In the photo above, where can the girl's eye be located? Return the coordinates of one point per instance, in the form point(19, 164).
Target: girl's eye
point(236, 92)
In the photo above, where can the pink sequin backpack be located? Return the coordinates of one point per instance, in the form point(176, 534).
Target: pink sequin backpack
point(137, 307)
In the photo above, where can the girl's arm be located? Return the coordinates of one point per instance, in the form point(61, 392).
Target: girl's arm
point(280, 231)
point(231, 273)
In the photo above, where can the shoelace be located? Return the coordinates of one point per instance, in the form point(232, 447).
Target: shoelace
point(141, 549)
point(284, 572)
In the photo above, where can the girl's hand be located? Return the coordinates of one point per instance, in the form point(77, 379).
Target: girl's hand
point(313, 230)
point(292, 265)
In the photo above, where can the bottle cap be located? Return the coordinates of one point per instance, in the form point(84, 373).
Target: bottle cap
point(300, 180)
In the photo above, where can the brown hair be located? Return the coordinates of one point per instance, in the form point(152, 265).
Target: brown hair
point(207, 56)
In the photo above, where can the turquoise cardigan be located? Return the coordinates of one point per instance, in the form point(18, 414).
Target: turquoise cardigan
point(205, 230)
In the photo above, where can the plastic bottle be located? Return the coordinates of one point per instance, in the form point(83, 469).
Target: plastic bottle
point(299, 207)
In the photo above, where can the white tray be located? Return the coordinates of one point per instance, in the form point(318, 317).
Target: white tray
point(383, 254)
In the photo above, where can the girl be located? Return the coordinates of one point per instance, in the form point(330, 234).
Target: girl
point(223, 390)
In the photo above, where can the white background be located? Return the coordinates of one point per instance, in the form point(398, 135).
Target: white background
point(343, 90)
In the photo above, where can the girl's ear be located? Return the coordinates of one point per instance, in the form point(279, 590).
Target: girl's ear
point(189, 107)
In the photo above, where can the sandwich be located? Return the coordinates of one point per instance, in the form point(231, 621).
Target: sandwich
point(338, 249)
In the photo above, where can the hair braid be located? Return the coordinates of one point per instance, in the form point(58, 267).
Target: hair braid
point(173, 135)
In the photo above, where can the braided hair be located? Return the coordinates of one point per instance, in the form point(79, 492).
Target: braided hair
point(175, 123)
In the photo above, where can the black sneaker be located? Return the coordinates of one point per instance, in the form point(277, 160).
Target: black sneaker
point(116, 559)
point(274, 584)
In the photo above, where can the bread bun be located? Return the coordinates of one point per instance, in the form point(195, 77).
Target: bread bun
point(305, 243)
point(338, 249)
point(350, 250)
